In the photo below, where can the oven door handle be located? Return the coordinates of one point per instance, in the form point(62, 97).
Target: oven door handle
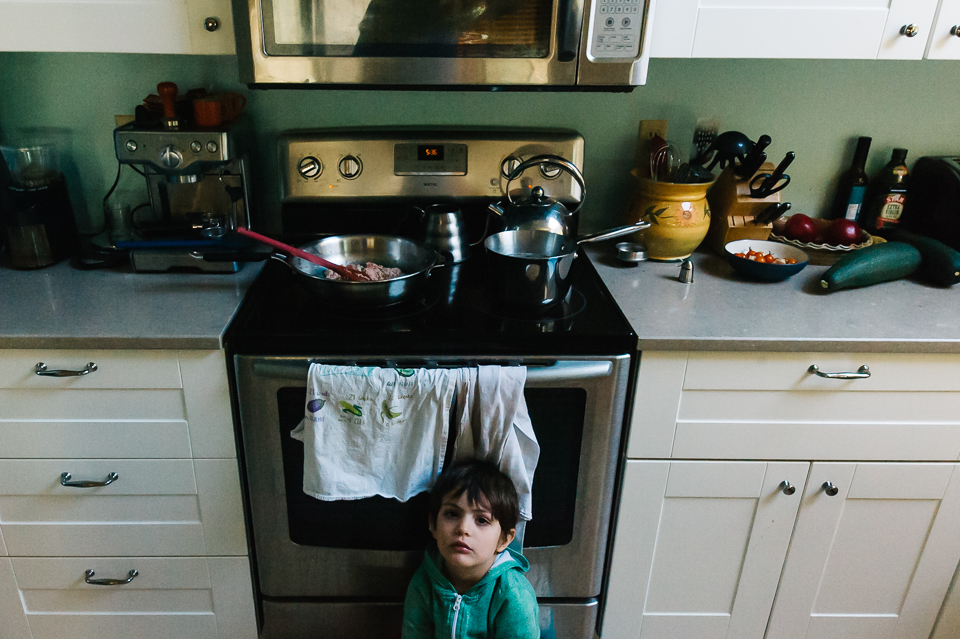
point(560, 371)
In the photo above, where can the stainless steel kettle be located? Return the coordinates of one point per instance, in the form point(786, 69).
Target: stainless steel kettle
point(539, 212)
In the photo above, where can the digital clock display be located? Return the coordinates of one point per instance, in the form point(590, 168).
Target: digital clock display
point(428, 152)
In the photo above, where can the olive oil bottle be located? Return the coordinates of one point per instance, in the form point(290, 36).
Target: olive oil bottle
point(888, 195)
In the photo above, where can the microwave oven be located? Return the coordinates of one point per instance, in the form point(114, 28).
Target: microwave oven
point(494, 44)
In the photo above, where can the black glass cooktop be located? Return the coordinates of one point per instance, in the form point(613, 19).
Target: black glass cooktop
point(458, 313)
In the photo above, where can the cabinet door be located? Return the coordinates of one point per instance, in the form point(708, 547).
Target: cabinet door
point(948, 623)
point(945, 37)
point(874, 559)
point(790, 29)
point(13, 621)
point(699, 547)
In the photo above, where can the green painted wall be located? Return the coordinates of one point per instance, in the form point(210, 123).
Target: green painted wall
point(815, 108)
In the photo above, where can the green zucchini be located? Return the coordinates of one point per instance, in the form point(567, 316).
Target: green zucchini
point(940, 264)
point(872, 265)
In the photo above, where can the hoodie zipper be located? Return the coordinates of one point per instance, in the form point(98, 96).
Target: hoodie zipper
point(456, 615)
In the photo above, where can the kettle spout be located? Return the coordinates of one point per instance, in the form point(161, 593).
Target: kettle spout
point(496, 209)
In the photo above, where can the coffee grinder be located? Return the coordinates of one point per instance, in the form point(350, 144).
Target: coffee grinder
point(36, 217)
point(198, 190)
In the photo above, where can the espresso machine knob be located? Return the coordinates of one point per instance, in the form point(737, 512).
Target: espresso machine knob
point(170, 157)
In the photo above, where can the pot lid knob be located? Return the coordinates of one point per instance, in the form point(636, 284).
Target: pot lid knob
point(537, 193)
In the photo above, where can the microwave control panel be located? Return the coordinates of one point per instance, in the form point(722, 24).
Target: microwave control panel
point(616, 28)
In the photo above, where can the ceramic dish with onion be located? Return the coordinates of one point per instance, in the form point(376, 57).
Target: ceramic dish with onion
point(774, 268)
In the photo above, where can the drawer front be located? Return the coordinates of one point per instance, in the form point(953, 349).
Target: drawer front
point(169, 597)
point(158, 439)
point(114, 369)
point(769, 406)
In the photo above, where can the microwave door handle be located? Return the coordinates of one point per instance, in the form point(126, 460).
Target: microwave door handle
point(561, 371)
point(569, 26)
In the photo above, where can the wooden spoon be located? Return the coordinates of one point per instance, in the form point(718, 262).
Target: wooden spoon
point(345, 272)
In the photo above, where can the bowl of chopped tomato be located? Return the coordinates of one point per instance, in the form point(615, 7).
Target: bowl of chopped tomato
point(764, 260)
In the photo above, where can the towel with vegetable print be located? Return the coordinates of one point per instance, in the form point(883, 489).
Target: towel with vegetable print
point(374, 431)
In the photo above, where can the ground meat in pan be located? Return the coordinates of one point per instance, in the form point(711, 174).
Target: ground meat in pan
point(373, 272)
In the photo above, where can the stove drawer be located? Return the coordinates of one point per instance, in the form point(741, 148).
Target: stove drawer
point(771, 406)
point(145, 507)
point(114, 369)
point(186, 598)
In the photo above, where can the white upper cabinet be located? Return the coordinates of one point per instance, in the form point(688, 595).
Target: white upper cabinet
point(944, 41)
point(117, 26)
point(866, 29)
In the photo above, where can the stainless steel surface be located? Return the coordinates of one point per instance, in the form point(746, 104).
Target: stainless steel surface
point(443, 230)
point(42, 370)
point(287, 569)
point(536, 211)
point(66, 477)
point(88, 577)
point(631, 252)
point(787, 488)
point(909, 30)
point(531, 269)
point(170, 152)
point(163, 260)
point(587, 46)
point(830, 488)
point(686, 272)
point(308, 161)
point(413, 260)
point(862, 373)
point(383, 620)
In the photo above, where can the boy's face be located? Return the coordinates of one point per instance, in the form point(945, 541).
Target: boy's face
point(468, 536)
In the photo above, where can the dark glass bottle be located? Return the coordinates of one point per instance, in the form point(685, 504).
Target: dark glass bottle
point(888, 195)
point(848, 202)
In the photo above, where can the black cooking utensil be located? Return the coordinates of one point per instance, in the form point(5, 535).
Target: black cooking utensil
point(729, 146)
point(754, 159)
point(772, 212)
point(766, 184)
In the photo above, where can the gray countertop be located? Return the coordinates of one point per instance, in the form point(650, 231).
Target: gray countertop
point(721, 310)
point(62, 307)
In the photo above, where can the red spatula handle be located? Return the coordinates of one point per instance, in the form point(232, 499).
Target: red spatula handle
point(310, 257)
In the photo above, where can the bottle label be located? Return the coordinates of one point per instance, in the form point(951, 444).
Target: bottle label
point(855, 202)
point(891, 210)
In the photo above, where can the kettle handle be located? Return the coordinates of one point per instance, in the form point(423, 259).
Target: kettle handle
point(555, 160)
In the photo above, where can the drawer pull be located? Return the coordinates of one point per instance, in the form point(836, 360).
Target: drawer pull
point(830, 488)
point(862, 373)
point(65, 481)
point(108, 582)
point(41, 369)
point(787, 488)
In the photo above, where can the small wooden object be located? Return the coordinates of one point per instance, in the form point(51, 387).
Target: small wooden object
point(732, 209)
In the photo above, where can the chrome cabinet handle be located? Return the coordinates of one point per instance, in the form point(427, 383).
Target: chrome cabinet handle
point(955, 31)
point(862, 373)
point(41, 369)
point(909, 30)
point(787, 488)
point(65, 481)
point(830, 488)
point(108, 582)
point(211, 24)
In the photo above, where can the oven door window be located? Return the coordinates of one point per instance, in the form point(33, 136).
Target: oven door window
point(407, 28)
point(558, 418)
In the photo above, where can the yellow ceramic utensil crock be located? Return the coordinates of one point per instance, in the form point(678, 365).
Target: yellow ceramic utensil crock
point(678, 213)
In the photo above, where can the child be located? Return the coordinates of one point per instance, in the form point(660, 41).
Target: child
point(470, 584)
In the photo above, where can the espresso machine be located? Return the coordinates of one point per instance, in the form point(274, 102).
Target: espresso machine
point(198, 192)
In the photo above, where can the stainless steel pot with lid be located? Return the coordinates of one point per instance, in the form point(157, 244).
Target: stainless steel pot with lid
point(538, 212)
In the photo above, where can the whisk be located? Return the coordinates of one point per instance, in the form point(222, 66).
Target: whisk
point(664, 163)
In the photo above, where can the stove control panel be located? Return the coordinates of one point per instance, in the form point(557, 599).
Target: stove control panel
point(371, 164)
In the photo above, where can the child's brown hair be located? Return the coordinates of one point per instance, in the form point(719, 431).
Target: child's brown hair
point(484, 485)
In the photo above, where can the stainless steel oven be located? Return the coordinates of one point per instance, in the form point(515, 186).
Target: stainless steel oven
point(537, 43)
point(340, 569)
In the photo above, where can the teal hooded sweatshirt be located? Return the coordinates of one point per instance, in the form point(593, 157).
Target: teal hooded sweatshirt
point(502, 605)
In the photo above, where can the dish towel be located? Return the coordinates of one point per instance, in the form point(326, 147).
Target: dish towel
point(493, 424)
point(374, 431)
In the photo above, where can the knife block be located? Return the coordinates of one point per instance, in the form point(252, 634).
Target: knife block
point(732, 209)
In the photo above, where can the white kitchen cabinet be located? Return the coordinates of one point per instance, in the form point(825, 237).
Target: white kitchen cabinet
point(866, 29)
point(944, 43)
point(948, 623)
point(119, 26)
point(874, 560)
point(155, 429)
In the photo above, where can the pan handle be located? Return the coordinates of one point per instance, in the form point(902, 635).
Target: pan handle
point(236, 256)
point(612, 233)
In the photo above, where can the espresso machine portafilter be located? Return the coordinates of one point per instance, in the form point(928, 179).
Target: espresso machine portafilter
point(197, 186)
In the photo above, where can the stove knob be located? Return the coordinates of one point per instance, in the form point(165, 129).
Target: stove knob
point(550, 171)
point(509, 165)
point(310, 167)
point(170, 157)
point(350, 167)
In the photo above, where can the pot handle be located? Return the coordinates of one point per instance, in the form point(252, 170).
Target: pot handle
point(611, 233)
point(555, 160)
